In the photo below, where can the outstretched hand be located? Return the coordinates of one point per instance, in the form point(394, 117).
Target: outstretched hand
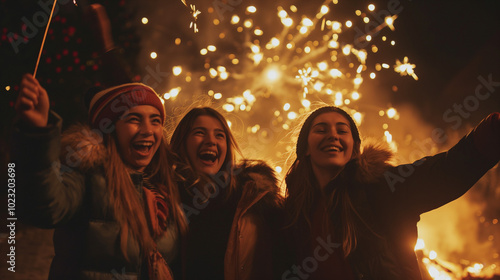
point(487, 136)
point(32, 104)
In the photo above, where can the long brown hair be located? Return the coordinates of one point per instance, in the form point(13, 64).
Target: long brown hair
point(303, 189)
point(125, 202)
point(178, 144)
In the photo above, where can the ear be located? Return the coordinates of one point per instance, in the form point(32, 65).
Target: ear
point(308, 153)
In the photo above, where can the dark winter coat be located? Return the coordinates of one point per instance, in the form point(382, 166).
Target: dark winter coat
point(390, 199)
point(72, 198)
point(254, 245)
point(244, 225)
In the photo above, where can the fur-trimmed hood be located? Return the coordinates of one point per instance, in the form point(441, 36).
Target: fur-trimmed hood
point(82, 148)
point(258, 171)
point(375, 159)
point(259, 176)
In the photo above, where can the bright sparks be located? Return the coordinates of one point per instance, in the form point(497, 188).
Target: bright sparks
point(272, 75)
point(405, 68)
point(177, 70)
point(268, 76)
point(194, 14)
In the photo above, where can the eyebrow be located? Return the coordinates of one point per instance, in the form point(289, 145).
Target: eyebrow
point(140, 115)
point(205, 129)
point(338, 123)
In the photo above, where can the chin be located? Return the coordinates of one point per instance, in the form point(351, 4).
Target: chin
point(210, 172)
point(337, 164)
point(141, 165)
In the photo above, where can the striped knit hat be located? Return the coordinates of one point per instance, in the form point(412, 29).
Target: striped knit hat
point(110, 104)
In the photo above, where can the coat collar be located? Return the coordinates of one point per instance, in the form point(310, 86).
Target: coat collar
point(375, 159)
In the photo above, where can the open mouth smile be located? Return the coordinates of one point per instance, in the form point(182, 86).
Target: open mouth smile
point(208, 157)
point(142, 147)
point(332, 148)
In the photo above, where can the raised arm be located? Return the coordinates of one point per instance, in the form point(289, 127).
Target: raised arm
point(436, 180)
point(45, 196)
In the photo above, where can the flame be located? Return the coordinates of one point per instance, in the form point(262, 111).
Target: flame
point(440, 269)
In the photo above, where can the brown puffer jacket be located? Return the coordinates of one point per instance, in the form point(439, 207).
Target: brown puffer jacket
point(254, 249)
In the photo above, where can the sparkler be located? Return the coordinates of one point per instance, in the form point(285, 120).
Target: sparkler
point(44, 36)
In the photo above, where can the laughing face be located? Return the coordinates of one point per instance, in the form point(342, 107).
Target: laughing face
point(330, 143)
point(206, 145)
point(139, 134)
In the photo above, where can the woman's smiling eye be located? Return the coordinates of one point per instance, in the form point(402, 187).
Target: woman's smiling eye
point(220, 135)
point(320, 129)
point(198, 132)
point(133, 119)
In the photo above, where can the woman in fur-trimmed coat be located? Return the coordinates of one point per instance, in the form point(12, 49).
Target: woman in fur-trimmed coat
point(105, 187)
point(234, 210)
point(352, 215)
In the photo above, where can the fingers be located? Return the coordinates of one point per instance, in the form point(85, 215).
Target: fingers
point(29, 89)
point(30, 94)
point(32, 104)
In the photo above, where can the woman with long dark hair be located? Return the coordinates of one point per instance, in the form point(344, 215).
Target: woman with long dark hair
point(105, 187)
point(352, 215)
point(233, 209)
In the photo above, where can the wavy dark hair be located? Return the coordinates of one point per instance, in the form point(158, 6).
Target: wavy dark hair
point(183, 168)
point(303, 189)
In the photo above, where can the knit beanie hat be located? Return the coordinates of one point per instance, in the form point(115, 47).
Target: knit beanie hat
point(110, 104)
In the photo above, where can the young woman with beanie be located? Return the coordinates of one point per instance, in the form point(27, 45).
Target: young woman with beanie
point(233, 210)
point(352, 215)
point(105, 187)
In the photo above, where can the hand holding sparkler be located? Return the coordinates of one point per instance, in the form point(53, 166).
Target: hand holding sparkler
point(32, 104)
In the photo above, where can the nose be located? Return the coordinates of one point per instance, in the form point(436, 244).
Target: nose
point(210, 139)
point(333, 135)
point(146, 128)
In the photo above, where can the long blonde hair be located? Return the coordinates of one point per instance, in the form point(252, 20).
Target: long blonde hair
point(124, 198)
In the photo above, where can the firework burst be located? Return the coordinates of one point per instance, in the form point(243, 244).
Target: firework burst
point(268, 71)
